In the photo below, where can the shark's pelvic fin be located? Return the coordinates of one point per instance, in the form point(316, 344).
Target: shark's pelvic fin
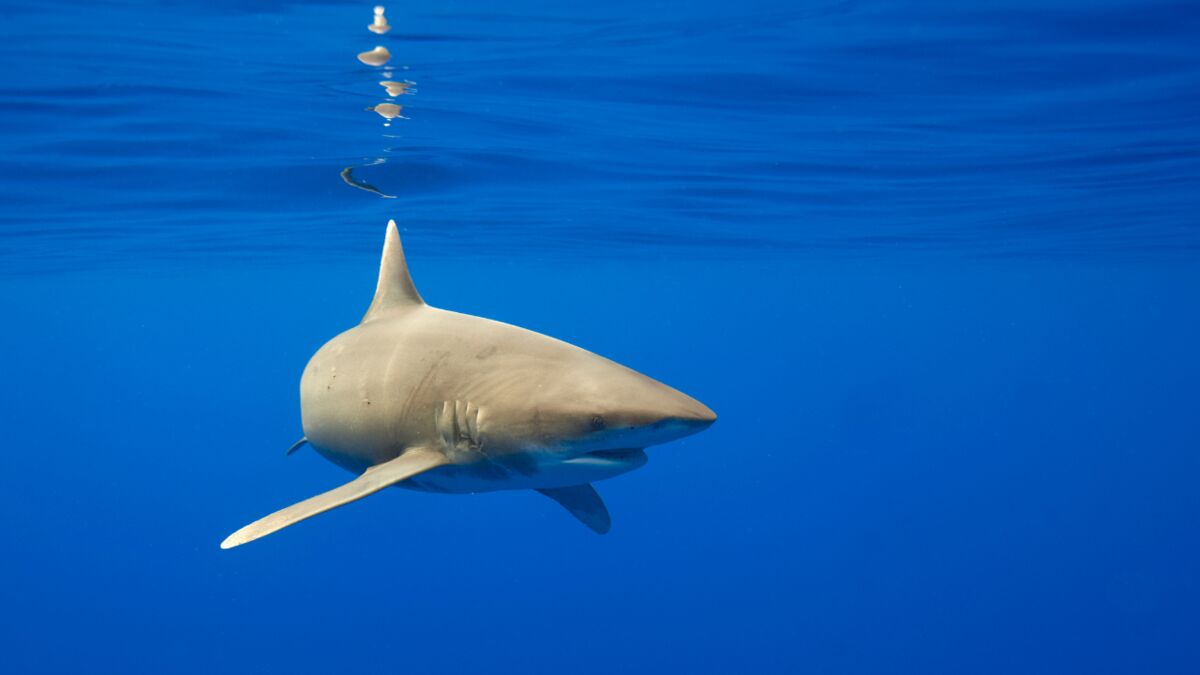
point(395, 289)
point(584, 503)
point(298, 444)
point(374, 479)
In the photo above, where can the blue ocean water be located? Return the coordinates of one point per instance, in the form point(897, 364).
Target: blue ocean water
point(936, 266)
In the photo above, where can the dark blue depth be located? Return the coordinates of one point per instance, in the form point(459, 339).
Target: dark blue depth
point(934, 264)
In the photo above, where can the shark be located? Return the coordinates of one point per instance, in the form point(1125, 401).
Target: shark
point(428, 399)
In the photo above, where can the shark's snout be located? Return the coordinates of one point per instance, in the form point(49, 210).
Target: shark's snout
point(697, 415)
point(678, 426)
point(671, 415)
point(677, 409)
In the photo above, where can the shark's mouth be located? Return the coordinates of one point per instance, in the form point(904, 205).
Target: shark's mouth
point(627, 458)
point(617, 455)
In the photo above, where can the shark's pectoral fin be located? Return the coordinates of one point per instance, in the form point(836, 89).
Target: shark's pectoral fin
point(584, 503)
point(374, 479)
point(297, 445)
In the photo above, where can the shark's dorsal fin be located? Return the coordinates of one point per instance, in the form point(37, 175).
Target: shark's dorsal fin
point(395, 289)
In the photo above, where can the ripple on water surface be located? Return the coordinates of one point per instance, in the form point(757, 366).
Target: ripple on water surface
point(760, 129)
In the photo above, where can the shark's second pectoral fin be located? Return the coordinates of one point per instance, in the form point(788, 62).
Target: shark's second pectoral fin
point(374, 479)
point(584, 503)
point(298, 444)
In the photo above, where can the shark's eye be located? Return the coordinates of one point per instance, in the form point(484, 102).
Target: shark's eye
point(597, 422)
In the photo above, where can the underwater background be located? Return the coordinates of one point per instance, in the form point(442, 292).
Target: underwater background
point(936, 265)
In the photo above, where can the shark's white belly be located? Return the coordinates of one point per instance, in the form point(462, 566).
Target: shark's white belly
point(528, 471)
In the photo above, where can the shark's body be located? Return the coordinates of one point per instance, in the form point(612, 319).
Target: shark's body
point(433, 400)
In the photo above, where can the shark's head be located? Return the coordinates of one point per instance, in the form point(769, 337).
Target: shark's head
point(586, 406)
point(625, 409)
